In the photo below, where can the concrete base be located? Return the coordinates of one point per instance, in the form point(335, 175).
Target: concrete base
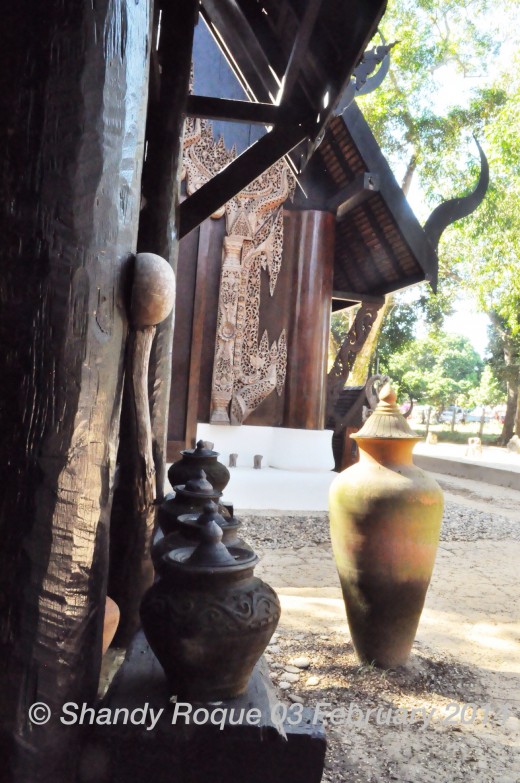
point(493, 466)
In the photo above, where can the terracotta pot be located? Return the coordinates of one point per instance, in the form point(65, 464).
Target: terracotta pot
point(110, 623)
point(208, 619)
point(385, 519)
point(194, 460)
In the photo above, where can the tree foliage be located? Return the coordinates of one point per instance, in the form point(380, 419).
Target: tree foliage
point(427, 137)
point(439, 370)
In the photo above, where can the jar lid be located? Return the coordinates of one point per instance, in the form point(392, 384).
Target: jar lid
point(198, 486)
point(200, 451)
point(194, 520)
point(386, 422)
point(210, 555)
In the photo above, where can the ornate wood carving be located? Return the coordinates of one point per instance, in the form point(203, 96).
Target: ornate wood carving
point(246, 368)
point(344, 361)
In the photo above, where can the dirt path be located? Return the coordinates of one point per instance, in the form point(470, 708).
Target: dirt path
point(467, 649)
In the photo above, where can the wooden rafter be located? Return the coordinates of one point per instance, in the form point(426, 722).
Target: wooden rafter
point(353, 194)
point(247, 55)
point(300, 48)
point(235, 111)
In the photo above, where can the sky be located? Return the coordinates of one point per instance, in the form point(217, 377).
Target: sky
point(471, 324)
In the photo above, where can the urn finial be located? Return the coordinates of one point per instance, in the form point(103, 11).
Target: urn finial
point(388, 395)
point(386, 422)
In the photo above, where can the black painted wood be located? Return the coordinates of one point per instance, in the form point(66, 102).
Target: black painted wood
point(300, 49)
point(267, 753)
point(235, 111)
point(353, 194)
point(228, 19)
point(73, 85)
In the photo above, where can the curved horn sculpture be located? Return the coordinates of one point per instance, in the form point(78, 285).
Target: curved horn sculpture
point(456, 208)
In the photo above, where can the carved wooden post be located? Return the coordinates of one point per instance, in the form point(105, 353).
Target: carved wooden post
point(132, 573)
point(158, 234)
point(346, 357)
point(158, 226)
point(73, 87)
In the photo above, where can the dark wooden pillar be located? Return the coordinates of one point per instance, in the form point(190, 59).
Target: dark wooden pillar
point(159, 225)
point(158, 234)
point(309, 246)
point(73, 88)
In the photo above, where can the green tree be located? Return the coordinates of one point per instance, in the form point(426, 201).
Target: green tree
point(490, 391)
point(482, 253)
point(439, 370)
point(428, 139)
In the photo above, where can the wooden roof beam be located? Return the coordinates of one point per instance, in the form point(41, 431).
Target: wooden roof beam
point(353, 194)
point(235, 111)
point(244, 53)
point(238, 175)
point(348, 296)
point(300, 48)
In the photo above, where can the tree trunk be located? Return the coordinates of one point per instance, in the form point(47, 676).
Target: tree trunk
point(511, 352)
point(511, 420)
point(72, 92)
point(157, 234)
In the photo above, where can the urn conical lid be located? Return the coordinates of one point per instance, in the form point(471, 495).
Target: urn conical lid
point(200, 451)
point(386, 422)
point(210, 556)
point(198, 487)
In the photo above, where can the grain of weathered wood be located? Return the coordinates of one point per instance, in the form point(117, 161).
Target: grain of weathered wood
point(158, 227)
point(310, 242)
point(73, 82)
point(131, 568)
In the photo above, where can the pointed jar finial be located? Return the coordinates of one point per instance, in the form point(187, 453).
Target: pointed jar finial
point(386, 422)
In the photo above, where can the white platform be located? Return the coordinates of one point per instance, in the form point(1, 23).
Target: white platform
point(279, 490)
point(281, 447)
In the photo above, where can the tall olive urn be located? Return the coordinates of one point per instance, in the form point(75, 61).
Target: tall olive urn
point(385, 520)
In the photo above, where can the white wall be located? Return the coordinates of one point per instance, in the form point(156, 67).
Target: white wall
point(283, 448)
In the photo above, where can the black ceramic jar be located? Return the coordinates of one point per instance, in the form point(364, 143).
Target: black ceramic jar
point(188, 529)
point(190, 498)
point(194, 460)
point(208, 619)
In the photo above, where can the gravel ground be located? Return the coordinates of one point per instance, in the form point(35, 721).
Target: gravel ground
point(419, 730)
point(291, 530)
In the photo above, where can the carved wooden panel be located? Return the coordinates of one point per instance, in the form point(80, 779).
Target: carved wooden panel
point(247, 366)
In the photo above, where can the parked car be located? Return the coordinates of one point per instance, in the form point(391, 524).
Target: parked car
point(447, 415)
point(476, 415)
